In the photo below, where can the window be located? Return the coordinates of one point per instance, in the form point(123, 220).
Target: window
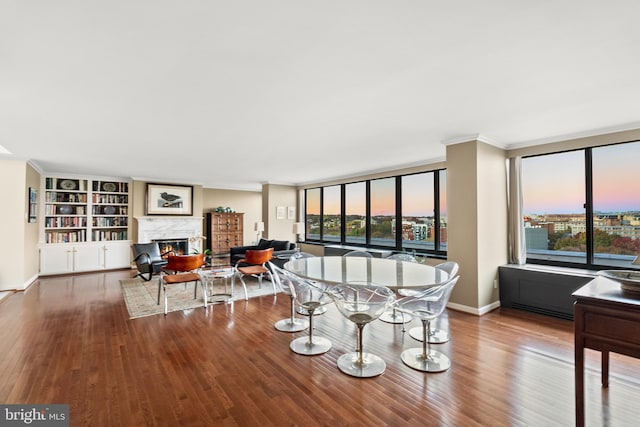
point(355, 213)
point(403, 213)
point(383, 212)
point(331, 213)
point(442, 203)
point(553, 198)
point(312, 216)
point(583, 207)
point(418, 211)
point(616, 204)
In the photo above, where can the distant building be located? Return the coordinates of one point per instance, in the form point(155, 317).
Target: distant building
point(536, 238)
point(420, 231)
point(550, 226)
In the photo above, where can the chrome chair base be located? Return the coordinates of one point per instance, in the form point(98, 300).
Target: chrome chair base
point(372, 365)
point(303, 311)
point(395, 316)
point(302, 346)
point(437, 336)
point(434, 362)
point(289, 325)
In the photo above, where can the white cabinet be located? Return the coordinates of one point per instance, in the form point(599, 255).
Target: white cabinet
point(116, 254)
point(90, 256)
point(56, 259)
point(65, 258)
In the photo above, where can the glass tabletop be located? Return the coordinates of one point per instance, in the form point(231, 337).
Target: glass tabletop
point(218, 272)
point(391, 273)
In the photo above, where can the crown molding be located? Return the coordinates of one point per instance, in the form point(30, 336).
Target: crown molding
point(577, 135)
point(163, 181)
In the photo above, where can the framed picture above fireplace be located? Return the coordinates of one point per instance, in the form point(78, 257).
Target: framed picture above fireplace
point(168, 199)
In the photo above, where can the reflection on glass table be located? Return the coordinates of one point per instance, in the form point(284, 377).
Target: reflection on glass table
point(212, 276)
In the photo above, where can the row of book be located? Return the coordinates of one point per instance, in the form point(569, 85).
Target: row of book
point(65, 237)
point(110, 198)
point(103, 235)
point(110, 221)
point(65, 222)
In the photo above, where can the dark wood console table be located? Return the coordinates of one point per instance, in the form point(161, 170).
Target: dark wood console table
point(605, 319)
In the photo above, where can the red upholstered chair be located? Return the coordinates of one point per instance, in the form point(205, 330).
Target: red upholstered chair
point(182, 269)
point(254, 264)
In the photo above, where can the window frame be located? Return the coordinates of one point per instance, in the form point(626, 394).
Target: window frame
point(437, 250)
point(591, 259)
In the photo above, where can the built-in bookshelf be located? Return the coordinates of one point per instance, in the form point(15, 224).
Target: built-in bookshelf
point(65, 210)
point(85, 224)
point(109, 210)
point(84, 210)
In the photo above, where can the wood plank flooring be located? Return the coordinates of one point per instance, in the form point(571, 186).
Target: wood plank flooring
point(69, 340)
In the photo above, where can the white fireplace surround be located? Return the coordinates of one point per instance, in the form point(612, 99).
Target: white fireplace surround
point(171, 227)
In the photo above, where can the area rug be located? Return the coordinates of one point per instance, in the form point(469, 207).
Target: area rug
point(141, 297)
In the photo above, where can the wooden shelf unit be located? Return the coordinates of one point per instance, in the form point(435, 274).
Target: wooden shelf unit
point(224, 230)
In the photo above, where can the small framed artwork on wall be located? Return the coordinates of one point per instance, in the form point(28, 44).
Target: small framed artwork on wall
point(33, 204)
point(291, 212)
point(279, 212)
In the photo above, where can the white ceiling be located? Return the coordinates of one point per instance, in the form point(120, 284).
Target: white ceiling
point(233, 94)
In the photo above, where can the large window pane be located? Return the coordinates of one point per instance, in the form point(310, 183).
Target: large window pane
point(312, 214)
point(356, 213)
point(418, 220)
point(383, 211)
point(331, 213)
point(443, 210)
point(553, 190)
point(616, 204)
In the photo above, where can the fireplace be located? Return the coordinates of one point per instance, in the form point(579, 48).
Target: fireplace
point(173, 246)
point(186, 230)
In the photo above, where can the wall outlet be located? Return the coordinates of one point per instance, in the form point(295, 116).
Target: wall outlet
point(495, 283)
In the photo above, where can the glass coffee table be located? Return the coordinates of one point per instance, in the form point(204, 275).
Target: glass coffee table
point(212, 277)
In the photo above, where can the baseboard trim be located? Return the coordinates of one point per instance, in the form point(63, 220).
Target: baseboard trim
point(474, 310)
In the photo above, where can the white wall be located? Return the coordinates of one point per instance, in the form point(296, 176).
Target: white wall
point(274, 196)
point(247, 202)
point(12, 224)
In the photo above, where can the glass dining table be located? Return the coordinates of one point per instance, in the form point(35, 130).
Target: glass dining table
point(396, 275)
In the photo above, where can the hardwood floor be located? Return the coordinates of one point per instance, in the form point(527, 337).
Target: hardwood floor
point(69, 340)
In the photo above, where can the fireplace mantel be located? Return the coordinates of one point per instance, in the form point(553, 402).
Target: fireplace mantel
point(171, 227)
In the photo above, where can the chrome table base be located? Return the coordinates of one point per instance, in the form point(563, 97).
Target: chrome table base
point(394, 316)
point(289, 325)
point(434, 362)
point(371, 365)
point(302, 346)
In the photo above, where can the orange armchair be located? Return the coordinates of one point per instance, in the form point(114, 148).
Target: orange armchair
point(254, 264)
point(182, 269)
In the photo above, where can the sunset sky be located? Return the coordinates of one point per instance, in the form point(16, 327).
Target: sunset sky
point(417, 197)
point(555, 183)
